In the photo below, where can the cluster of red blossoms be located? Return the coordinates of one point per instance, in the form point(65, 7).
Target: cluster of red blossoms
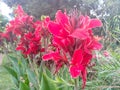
point(74, 41)
point(67, 40)
point(25, 32)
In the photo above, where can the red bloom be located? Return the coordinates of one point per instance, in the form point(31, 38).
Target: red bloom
point(106, 54)
point(84, 27)
point(57, 57)
point(52, 56)
point(78, 65)
point(21, 24)
point(29, 44)
point(61, 32)
point(19, 11)
point(6, 35)
point(74, 35)
point(27, 32)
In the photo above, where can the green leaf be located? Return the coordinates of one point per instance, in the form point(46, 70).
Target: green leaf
point(11, 71)
point(24, 62)
point(22, 65)
point(66, 88)
point(40, 72)
point(48, 73)
point(14, 61)
point(13, 89)
point(62, 84)
point(47, 83)
point(13, 74)
point(32, 77)
point(5, 60)
point(23, 86)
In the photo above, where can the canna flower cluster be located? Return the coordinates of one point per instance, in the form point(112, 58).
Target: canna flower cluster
point(67, 40)
point(25, 32)
point(74, 43)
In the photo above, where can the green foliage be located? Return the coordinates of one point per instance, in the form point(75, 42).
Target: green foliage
point(3, 21)
point(32, 78)
point(13, 73)
point(23, 86)
point(17, 72)
point(5, 80)
point(26, 75)
point(112, 32)
point(47, 83)
point(107, 73)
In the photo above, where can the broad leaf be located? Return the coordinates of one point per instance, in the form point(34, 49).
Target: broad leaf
point(32, 77)
point(47, 83)
point(23, 86)
point(13, 74)
point(14, 61)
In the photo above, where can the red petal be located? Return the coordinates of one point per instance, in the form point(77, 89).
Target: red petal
point(61, 17)
point(51, 56)
point(28, 36)
point(95, 45)
point(19, 11)
point(74, 71)
point(77, 57)
point(58, 66)
point(84, 78)
point(80, 34)
point(20, 48)
point(59, 42)
point(6, 35)
point(54, 28)
point(42, 50)
point(86, 59)
point(95, 23)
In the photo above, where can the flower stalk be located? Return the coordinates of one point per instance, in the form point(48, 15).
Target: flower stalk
point(76, 87)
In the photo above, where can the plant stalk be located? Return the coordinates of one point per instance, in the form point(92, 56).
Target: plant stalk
point(76, 87)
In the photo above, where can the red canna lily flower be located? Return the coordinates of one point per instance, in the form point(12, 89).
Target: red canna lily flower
point(59, 59)
point(52, 56)
point(84, 27)
point(78, 65)
point(29, 44)
point(73, 34)
point(19, 11)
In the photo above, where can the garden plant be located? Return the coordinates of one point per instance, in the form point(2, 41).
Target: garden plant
point(51, 54)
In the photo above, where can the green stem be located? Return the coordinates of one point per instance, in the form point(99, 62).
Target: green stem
point(76, 87)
